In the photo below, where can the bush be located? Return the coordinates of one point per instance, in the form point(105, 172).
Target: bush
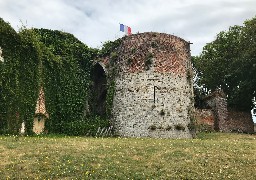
point(168, 128)
point(162, 113)
point(204, 128)
point(152, 127)
point(179, 127)
point(87, 127)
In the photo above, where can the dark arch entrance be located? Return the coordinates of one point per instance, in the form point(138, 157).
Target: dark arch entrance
point(98, 90)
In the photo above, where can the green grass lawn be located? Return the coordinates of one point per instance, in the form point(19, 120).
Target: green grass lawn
point(210, 156)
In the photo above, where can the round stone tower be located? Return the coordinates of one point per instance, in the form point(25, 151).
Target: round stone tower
point(153, 86)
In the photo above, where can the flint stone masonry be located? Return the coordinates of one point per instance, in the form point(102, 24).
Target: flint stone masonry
point(227, 120)
point(239, 122)
point(217, 101)
point(138, 108)
point(153, 93)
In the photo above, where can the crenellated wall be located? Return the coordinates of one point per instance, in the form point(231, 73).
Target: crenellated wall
point(153, 87)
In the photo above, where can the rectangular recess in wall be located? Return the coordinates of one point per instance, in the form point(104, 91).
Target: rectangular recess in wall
point(154, 94)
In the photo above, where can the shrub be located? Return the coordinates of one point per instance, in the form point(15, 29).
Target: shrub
point(168, 128)
point(179, 127)
point(191, 126)
point(148, 61)
point(153, 44)
point(162, 113)
point(152, 127)
point(204, 128)
point(87, 127)
point(129, 61)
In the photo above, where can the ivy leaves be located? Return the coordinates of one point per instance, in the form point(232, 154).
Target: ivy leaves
point(66, 68)
point(58, 62)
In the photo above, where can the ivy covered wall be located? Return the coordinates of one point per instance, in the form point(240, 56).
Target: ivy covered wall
point(19, 78)
point(65, 78)
point(56, 61)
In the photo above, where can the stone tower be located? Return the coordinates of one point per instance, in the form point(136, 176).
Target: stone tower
point(153, 86)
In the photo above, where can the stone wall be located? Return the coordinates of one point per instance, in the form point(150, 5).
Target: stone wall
point(41, 114)
point(224, 120)
point(204, 116)
point(239, 122)
point(141, 111)
point(171, 54)
point(153, 96)
point(217, 101)
point(38, 124)
point(235, 122)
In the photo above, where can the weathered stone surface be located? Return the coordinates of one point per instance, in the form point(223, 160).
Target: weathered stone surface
point(204, 116)
point(40, 104)
point(236, 121)
point(38, 124)
point(228, 121)
point(153, 96)
point(239, 122)
point(40, 113)
point(144, 100)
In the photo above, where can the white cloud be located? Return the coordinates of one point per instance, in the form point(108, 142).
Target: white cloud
point(96, 21)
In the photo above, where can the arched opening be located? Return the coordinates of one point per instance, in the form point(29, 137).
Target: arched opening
point(98, 91)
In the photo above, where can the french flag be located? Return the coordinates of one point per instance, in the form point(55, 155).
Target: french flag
point(125, 29)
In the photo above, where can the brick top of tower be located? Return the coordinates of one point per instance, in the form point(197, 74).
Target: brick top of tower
point(158, 52)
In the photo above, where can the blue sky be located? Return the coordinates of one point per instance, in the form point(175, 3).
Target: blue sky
point(96, 21)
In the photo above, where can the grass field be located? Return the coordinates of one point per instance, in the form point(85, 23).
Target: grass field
point(210, 156)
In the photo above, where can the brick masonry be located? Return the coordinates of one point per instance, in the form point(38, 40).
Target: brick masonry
point(153, 93)
point(40, 104)
point(218, 102)
point(41, 114)
point(222, 119)
point(236, 121)
point(240, 122)
point(204, 116)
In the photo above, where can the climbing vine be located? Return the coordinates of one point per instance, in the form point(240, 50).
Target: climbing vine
point(18, 83)
point(61, 64)
point(110, 97)
point(39, 57)
point(66, 67)
point(110, 49)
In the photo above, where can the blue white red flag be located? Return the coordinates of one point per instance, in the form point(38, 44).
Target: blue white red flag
point(125, 29)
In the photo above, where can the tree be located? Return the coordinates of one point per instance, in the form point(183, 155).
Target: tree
point(229, 63)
